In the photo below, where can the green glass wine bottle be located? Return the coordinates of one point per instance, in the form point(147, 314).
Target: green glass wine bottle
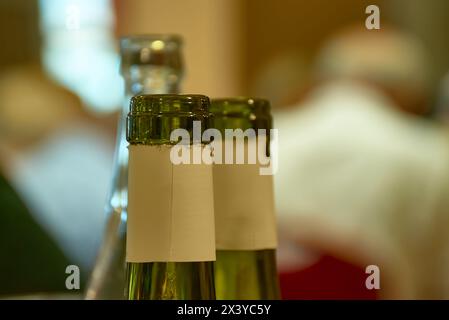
point(245, 221)
point(170, 243)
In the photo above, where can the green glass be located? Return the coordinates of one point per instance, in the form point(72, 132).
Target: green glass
point(170, 281)
point(151, 120)
point(244, 274)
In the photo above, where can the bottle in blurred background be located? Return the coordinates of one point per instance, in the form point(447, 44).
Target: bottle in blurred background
point(170, 239)
point(150, 64)
point(244, 210)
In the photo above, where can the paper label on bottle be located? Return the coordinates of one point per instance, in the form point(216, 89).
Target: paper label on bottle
point(244, 207)
point(170, 208)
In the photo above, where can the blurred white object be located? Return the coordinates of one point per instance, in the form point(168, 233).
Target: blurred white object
point(79, 50)
point(388, 57)
point(64, 179)
point(360, 178)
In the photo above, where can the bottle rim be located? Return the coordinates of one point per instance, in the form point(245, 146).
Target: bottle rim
point(163, 50)
point(241, 106)
point(153, 117)
point(142, 38)
point(154, 104)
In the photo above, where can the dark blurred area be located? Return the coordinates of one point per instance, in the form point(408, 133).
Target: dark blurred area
point(362, 116)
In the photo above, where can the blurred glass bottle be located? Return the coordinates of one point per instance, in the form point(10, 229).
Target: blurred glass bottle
point(170, 246)
point(245, 220)
point(150, 64)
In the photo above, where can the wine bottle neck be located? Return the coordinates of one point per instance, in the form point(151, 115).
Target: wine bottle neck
point(170, 281)
point(139, 79)
point(148, 80)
